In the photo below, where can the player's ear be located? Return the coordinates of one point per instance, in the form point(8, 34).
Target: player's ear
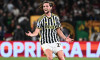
point(51, 8)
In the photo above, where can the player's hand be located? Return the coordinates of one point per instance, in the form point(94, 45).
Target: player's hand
point(29, 33)
point(68, 39)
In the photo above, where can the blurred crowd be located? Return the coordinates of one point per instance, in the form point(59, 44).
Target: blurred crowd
point(15, 15)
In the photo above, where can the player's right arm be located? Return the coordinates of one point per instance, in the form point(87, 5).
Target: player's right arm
point(38, 27)
point(35, 33)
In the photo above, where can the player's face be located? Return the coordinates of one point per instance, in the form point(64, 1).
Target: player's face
point(46, 8)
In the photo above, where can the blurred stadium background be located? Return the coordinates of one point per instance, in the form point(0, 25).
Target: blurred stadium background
point(79, 18)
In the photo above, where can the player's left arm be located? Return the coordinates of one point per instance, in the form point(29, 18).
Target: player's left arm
point(60, 33)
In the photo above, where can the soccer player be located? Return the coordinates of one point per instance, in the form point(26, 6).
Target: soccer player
point(48, 25)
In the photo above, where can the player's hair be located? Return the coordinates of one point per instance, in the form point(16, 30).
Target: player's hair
point(51, 3)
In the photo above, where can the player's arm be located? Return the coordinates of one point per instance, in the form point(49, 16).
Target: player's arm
point(35, 33)
point(37, 30)
point(60, 33)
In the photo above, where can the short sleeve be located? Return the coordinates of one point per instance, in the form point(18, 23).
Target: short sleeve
point(38, 24)
point(58, 24)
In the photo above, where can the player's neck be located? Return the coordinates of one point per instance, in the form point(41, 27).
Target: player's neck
point(48, 14)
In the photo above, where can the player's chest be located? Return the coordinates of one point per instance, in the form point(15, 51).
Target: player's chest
point(49, 23)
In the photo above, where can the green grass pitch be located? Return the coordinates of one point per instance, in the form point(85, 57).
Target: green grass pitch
point(44, 58)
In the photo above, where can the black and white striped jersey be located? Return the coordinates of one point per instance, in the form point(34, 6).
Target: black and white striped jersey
point(48, 26)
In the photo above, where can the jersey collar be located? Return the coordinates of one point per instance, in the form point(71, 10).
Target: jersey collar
point(49, 17)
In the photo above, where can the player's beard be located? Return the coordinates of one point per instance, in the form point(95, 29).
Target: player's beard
point(47, 12)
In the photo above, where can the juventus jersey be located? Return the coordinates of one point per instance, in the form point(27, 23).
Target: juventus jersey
point(48, 26)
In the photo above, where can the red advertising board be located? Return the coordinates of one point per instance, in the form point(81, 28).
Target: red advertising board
point(33, 49)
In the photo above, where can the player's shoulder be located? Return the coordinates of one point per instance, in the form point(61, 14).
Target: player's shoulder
point(55, 15)
point(41, 17)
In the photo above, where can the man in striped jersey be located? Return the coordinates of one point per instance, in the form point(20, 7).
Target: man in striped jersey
point(48, 25)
